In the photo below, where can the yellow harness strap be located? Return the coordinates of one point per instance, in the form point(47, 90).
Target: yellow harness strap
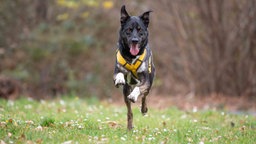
point(131, 67)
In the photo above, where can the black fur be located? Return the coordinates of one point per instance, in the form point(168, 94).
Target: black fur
point(134, 31)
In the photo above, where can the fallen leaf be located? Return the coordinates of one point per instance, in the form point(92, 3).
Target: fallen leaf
point(10, 121)
point(39, 141)
point(22, 137)
point(39, 128)
point(164, 123)
point(232, 124)
point(30, 142)
point(112, 124)
point(242, 128)
point(3, 123)
point(30, 122)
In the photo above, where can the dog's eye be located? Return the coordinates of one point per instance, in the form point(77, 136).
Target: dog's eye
point(128, 31)
point(138, 29)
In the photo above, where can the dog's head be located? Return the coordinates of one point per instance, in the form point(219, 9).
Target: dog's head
point(133, 32)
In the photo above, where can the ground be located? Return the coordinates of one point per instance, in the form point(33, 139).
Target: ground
point(191, 102)
point(70, 119)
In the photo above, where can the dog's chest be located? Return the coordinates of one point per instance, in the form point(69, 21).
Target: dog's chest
point(137, 65)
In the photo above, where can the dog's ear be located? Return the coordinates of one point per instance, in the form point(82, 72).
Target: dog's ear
point(145, 17)
point(124, 15)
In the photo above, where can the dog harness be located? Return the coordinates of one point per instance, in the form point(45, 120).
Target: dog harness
point(132, 67)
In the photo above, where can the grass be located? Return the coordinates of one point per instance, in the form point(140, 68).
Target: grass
point(75, 120)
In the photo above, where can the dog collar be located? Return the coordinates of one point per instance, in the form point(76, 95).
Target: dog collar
point(132, 67)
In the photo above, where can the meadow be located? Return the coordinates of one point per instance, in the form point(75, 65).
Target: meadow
point(71, 120)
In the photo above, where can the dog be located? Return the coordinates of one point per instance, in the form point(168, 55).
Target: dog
point(134, 67)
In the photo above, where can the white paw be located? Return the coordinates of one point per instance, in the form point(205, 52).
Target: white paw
point(134, 95)
point(119, 80)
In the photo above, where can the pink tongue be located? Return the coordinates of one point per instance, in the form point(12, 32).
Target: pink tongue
point(134, 49)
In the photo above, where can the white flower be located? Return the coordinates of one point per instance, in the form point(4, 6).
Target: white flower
point(28, 106)
point(10, 103)
point(67, 142)
point(194, 109)
point(62, 102)
point(122, 138)
point(80, 127)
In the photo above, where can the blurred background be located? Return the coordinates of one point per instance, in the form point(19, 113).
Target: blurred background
point(50, 48)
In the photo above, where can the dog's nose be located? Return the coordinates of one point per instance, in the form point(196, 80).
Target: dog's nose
point(135, 40)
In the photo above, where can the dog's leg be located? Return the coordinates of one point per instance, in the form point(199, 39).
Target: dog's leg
point(144, 108)
point(119, 79)
point(134, 94)
point(126, 92)
point(142, 88)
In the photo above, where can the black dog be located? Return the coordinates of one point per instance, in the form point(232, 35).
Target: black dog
point(134, 67)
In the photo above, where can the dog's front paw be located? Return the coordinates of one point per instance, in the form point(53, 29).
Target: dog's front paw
point(119, 80)
point(143, 110)
point(134, 95)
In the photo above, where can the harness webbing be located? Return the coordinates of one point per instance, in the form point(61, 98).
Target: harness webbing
point(132, 67)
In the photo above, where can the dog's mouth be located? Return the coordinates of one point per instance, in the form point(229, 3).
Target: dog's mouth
point(134, 49)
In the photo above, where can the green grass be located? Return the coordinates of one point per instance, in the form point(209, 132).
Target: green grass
point(75, 120)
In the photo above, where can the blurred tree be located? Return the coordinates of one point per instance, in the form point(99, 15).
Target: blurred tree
point(66, 46)
point(214, 40)
point(41, 10)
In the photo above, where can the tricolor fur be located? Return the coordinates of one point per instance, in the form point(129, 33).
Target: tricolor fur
point(134, 68)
